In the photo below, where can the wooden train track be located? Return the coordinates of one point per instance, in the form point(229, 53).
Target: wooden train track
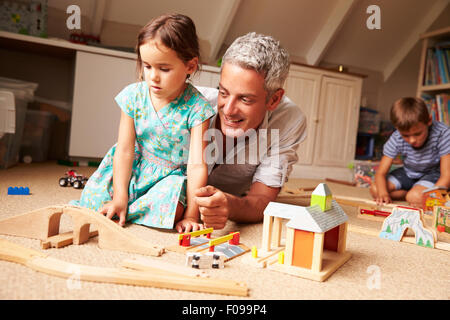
point(43, 224)
point(41, 262)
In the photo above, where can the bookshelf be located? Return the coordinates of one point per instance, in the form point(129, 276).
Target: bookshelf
point(434, 73)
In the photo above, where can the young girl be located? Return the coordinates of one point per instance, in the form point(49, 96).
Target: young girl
point(142, 178)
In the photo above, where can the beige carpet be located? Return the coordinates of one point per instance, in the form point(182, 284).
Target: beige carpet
point(405, 271)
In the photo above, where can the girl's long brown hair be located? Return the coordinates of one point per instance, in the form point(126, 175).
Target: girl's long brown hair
point(175, 31)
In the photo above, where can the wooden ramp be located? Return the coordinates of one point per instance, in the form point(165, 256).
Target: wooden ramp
point(44, 223)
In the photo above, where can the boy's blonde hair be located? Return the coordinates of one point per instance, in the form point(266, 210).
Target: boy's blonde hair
point(409, 111)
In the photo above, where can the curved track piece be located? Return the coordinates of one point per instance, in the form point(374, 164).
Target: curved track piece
point(44, 223)
point(41, 262)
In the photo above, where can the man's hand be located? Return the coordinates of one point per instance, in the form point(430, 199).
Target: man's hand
point(214, 206)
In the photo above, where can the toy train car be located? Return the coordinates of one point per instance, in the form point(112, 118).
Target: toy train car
point(208, 260)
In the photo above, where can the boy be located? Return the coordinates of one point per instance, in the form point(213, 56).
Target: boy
point(425, 147)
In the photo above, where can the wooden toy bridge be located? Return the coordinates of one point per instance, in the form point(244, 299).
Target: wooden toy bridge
point(44, 224)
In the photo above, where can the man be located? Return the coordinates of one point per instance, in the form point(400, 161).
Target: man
point(250, 103)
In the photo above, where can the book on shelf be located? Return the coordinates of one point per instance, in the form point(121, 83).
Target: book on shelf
point(437, 64)
point(438, 106)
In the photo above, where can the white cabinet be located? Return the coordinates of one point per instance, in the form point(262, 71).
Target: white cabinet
point(90, 87)
point(337, 123)
point(304, 88)
point(331, 102)
point(207, 77)
point(95, 114)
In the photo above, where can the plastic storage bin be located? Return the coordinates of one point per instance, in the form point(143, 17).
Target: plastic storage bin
point(10, 142)
point(369, 121)
point(36, 136)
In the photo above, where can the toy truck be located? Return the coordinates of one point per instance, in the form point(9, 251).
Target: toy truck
point(71, 178)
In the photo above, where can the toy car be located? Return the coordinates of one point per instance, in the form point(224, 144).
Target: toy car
point(73, 179)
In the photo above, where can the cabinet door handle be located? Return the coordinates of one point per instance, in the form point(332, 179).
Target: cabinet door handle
point(316, 120)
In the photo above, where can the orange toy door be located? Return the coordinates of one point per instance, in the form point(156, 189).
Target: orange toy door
point(303, 249)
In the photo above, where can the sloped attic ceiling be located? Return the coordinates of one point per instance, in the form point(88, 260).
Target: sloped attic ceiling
point(313, 31)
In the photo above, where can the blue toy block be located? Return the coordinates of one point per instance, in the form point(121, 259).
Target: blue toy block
point(19, 191)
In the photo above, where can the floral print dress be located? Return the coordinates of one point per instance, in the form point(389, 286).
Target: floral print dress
point(158, 178)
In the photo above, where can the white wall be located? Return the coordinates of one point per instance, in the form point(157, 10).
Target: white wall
point(86, 6)
point(211, 18)
point(203, 12)
point(296, 24)
point(403, 81)
point(372, 83)
point(284, 19)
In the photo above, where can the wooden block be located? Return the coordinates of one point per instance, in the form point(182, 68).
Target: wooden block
point(317, 252)
point(342, 243)
point(263, 258)
point(303, 249)
point(330, 263)
point(289, 246)
point(62, 240)
point(216, 241)
point(267, 232)
point(196, 233)
point(277, 229)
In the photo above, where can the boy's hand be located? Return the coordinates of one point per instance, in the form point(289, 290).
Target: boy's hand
point(115, 207)
point(383, 198)
point(188, 225)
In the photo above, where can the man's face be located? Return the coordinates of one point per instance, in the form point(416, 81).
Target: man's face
point(416, 135)
point(242, 100)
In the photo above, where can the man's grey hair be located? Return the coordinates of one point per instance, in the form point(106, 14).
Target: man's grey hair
point(263, 54)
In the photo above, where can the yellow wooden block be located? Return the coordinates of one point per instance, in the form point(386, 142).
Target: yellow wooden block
point(281, 257)
point(254, 252)
point(196, 233)
point(220, 240)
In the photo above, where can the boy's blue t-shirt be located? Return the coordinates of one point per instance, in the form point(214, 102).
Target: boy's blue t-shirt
point(426, 159)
